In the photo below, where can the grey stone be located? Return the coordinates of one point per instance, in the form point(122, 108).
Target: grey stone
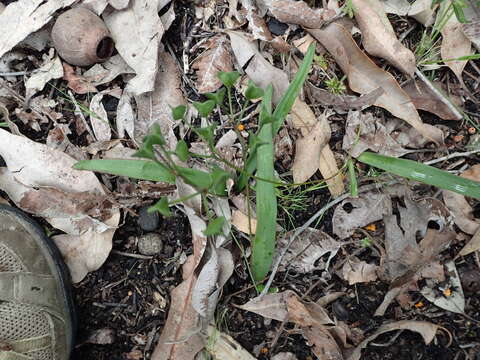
point(148, 221)
point(150, 244)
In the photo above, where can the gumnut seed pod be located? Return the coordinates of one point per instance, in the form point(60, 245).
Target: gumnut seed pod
point(81, 37)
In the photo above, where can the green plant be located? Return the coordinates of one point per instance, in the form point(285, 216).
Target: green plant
point(422, 173)
point(160, 163)
point(348, 9)
point(3, 124)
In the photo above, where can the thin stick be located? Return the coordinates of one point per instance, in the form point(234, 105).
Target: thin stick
point(452, 156)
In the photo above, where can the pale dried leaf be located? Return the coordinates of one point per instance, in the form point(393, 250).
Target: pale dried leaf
point(397, 7)
point(424, 328)
point(298, 12)
point(284, 356)
point(329, 170)
point(461, 210)
point(454, 44)
point(97, 6)
point(308, 149)
point(323, 344)
point(353, 213)
point(256, 23)
point(303, 254)
point(379, 38)
point(216, 58)
point(43, 180)
point(119, 4)
point(206, 284)
point(455, 302)
point(364, 76)
point(223, 346)
point(355, 271)
point(77, 83)
point(138, 41)
point(50, 69)
point(472, 245)
point(99, 119)
point(169, 17)
point(425, 99)
point(423, 12)
point(472, 31)
point(243, 223)
point(126, 117)
point(156, 107)
point(343, 102)
point(21, 18)
point(105, 72)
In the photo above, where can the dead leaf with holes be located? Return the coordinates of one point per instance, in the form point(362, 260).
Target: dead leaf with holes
point(461, 210)
point(454, 43)
point(304, 253)
point(378, 36)
point(216, 58)
point(426, 329)
point(364, 76)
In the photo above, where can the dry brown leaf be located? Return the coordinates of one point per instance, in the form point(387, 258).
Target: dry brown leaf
point(99, 118)
point(256, 23)
point(50, 69)
point(303, 254)
point(423, 12)
point(21, 18)
point(364, 76)
point(77, 83)
point(137, 31)
point(216, 58)
point(355, 271)
point(425, 99)
point(156, 107)
point(353, 213)
point(223, 346)
point(308, 149)
point(44, 181)
point(323, 343)
point(461, 210)
point(471, 246)
point(472, 31)
point(242, 222)
point(424, 328)
point(454, 44)
point(107, 71)
point(343, 102)
point(298, 12)
point(379, 38)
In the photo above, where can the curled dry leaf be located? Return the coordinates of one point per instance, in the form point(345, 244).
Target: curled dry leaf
point(454, 44)
point(425, 99)
point(50, 69)
point(21, 18)
point(472, 245)
point(43, 181)
point(107, 71)
point(379, 38)
point(353, 213)
point(303, 254)
point(77, 83)
point(364, 76)
point(298, 12)
point(455, 301)
point(355, 271)
point(424, 328)
point(216, 58)
point(323, 343)
point(363, 131)
point(461, 210)
point(343, 102)
point(99, 119)
point(138, 41)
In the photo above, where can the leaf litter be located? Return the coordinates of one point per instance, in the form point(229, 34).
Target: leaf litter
point(146, 82)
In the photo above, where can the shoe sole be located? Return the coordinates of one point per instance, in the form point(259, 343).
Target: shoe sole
point(55, 259)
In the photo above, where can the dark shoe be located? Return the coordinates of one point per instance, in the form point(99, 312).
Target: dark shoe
point(36, 309)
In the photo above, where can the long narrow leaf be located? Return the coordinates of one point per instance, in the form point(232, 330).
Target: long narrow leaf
point(423, 173)
point(137, 169)
point(264, 242)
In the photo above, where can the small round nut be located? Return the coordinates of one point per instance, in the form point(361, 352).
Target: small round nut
point(81, 37)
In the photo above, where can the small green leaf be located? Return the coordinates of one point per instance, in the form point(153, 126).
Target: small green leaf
point(136, 169)
point(217, 96)
point(3, 124)
point(206, 133)
point(228, 78)
point(219, 181)
point(197, 178)
point(204, 108)
point(423, 173)
point(145, 153)
point(182, 150)
point(161, 206)
point(215, 226)
point(178, 112)
point(253, 91)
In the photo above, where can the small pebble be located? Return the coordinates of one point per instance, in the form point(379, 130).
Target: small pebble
point(150, 244)
point(148, 221)
point(102, 337)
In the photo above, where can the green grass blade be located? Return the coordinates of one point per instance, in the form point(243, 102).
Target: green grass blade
point(285, 105)
point(352, 177)
point(137, 169)
point(423, 173)
point(264, 242)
